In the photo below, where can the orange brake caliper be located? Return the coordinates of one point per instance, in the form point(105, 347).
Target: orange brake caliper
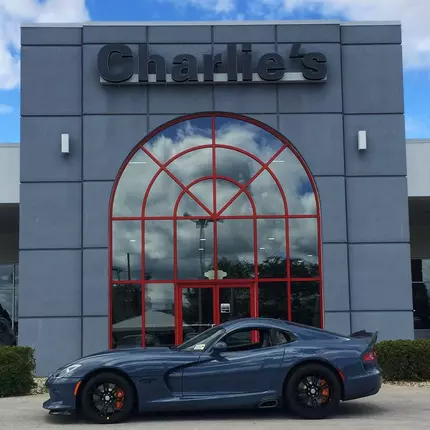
point(119, 399)
point(325, 391)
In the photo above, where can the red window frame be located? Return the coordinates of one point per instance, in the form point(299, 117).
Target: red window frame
point(214, 215)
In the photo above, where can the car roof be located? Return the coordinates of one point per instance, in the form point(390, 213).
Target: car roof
point(293, 327)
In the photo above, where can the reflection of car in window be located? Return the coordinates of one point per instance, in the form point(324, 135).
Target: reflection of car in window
point(7, 336)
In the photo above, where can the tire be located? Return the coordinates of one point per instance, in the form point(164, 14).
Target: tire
point(297, 391)
point(123, 395)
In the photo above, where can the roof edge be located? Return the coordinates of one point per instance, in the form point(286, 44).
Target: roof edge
point(219, 23)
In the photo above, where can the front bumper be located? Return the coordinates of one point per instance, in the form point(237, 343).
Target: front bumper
point(61, 394)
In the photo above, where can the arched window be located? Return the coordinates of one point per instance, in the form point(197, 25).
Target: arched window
point(213, 217)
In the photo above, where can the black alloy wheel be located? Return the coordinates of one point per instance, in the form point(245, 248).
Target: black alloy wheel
point(107, 398)
point(313, 392)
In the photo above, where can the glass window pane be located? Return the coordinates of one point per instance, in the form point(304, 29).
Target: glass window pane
point(304, 248)
point(179, 137)
point(126, 258)
point(238, 301)
point(159, 315)
point(189, 207)
point(295, 183)
point(236, 248)
point(194, 248)
point(266, 195)
point(6, 305)
point(271, 248)
point(235, 165)
point(126, 315)
point(426, 270)
point(203, 192)
point(421, 303)
point(158, 250)
point(305, 303)
point(241, 134)
point(417, 274)
point(197, 311)
point(162, 196)
point(225, 191)
point(240, 206)
point(132, 185)
point(6, 277)
point(192, 165)
point(272, 300)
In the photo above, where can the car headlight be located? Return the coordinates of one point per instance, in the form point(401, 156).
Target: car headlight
point(68, 371)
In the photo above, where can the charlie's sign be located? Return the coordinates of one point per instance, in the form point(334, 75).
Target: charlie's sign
point(116, 65)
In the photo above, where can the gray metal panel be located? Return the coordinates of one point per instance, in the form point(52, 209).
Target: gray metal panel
point(107, 142)
point(306, 33)
point(158, 120)
point(114, 34)
point(318, 138)
point(236, 99)
point(96, 281)
point(57, 341)
point(170, 51)
point(370, 34)
point(95, 335)
point(258, 50)
point(51, 80)
point(377, 209)
point(51, 36)
point(180, 34)
point(108, 99)
point(50, 215)
point(50, 283)
point(269, 119)
point(95, 213)
point(308, 98)
point(372, 79)
point(179, 99)
point(331, 191)
point(380, 276)
point(336, 280)
point(386, 148)
point(391, 325)
point(245, 33)
point(40, 156)
point(339, 322)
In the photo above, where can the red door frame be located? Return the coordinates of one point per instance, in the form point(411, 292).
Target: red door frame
point(215, 215)
point(216, 311)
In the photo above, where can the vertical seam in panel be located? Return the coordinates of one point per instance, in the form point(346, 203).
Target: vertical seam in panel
point(82, 192)
point(277, 85)
point(148, 87)
point(345, 184)
point(212, 53)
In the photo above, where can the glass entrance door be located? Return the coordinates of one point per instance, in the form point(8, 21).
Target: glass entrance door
point(203, 306)
point(234, 302)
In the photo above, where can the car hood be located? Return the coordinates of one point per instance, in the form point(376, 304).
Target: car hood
point(115, 356)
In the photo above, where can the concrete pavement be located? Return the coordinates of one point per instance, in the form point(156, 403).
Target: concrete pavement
point(393, 408)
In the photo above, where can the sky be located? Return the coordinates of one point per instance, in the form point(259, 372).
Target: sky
point(414, 15)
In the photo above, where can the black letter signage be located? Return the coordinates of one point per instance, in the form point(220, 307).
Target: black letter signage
point(125, 66)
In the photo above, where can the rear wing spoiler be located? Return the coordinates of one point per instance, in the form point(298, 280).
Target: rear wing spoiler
point(371, 338)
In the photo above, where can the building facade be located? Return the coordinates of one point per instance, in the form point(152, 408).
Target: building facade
point(175, 176)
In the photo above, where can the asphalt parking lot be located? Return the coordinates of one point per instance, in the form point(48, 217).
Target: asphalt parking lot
point(393, 408)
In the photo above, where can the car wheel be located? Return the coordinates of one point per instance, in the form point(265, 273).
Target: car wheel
point(313, 392)
point(107, 398)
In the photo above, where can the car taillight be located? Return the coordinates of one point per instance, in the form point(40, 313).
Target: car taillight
point(369, 356)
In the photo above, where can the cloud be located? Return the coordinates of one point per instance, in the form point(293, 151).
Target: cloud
point(414, 16)
point(5, 109)
point(15, 12)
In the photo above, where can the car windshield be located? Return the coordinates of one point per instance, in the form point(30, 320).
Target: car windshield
point(202, 341)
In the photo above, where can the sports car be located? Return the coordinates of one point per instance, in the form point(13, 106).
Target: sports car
point(245, 363)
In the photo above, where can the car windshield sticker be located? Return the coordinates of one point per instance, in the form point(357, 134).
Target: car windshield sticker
point(199, 347)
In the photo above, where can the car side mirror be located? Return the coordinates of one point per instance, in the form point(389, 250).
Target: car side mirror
point(219, 347)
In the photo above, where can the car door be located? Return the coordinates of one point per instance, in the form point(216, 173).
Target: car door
point(249, 365)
